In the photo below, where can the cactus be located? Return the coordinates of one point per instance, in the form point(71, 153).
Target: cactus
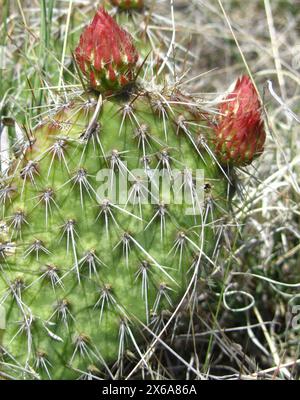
point(84, 276)
point(239, 134)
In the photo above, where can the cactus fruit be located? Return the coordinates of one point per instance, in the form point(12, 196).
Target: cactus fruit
point(106, 54)
point(239, 134)
point(85, 275)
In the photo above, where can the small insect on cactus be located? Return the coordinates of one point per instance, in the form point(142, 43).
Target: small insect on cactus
point(239, 133)
point(111, 209)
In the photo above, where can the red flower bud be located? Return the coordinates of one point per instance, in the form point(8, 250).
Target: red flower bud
point(106, 55)
point(128, 4)
point(239, 135)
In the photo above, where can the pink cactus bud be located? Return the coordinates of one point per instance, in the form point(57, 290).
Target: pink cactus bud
point(239, 135)
point(106, 54)
point(128, 4)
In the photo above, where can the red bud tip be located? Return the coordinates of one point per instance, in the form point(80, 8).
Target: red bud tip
point(239, 135)
point(106, 54)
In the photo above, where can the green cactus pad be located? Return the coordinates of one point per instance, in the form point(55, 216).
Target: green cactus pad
point(81, 274)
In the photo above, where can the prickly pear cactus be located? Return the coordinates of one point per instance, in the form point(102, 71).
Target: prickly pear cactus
point(108, 214)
